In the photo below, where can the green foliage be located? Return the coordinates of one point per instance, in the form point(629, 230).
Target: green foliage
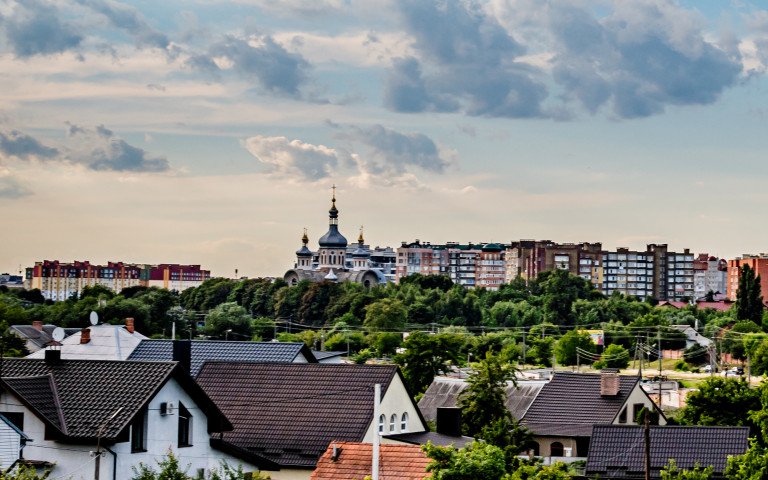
point(615, 356)
point(228, 316)
point(749, 301)
point(566, 348)
point(535, 471)
point(671, 472)
point(170, 469)
point(753, 465)
point(427, 356)
point(475, 461)
point(384, 343)
point(386, 314)
point(721, 401)
point(483, 401)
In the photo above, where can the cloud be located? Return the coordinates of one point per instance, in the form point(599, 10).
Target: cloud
point(258, 58)
point(466, 63)
point(640, 58)
point(294, 158)
point(24, 147)
point(10, 187)
point(129, 20)
point(391, 152)
point(36, 28)
point(101, 150)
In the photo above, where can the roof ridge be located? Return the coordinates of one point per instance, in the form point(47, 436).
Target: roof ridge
point(57, 403)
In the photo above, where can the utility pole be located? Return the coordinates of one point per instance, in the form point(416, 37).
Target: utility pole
point(647, 434)
point(523, 347)
point(658, 335)
point(376, 434)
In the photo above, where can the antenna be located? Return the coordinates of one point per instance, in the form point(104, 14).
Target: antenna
point(94, 318)
point(58, 334)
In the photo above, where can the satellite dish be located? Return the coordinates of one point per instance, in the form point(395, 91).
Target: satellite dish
point(58, 334)
point(94, 318)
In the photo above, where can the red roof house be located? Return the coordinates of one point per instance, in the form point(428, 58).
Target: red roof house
point(352, 461)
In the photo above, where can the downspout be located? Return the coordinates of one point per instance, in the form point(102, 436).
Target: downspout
point(114, 462)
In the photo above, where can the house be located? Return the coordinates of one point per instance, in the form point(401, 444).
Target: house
point(98, 342)
point(352, 460)
point(445, 392)
point(37, 335)
point(13, 442)
point(328, 357)
point(618, 451)
point(692, 337)
point(135, 411)
point(447, 431)
point(286, 415)
point(562, 415)
point(209, 350)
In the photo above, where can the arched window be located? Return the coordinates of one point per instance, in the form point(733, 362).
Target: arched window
point(556, 449)
point(393, 423)
point(382, 421)
point(536, 449)
point(404, 422)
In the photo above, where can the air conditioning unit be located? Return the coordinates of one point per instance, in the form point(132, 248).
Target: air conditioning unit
point(166, 408)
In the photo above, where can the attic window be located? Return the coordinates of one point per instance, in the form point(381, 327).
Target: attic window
point(139, 432)
point(185, 427)
point(393, 423)
point(623, 415)
point(382, 421)
point(404, 422)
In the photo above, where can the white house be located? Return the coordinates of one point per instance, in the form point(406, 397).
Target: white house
point(133, 412)
point(98, 342)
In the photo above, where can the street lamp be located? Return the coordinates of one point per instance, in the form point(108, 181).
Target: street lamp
point(226, 334)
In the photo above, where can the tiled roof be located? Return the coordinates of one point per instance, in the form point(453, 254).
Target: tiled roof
point(76, 397)
point(41, 338)
point(396, 462)
point(618, 451)
point(570, 404)
point(323, 355)
point(213, 350)
point(445, 391)
point(108, 342)
point(289, 413)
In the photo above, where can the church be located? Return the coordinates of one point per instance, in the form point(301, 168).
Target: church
point(335, 260)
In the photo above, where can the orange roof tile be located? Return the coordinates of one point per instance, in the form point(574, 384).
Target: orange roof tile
point(397, 462)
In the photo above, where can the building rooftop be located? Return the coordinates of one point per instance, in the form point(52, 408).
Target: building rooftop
point(353, 461)
point(41, 338)
point(571, 404)
point(107, 342)
point(618, 451)
point(289, 413)
point(235, 351)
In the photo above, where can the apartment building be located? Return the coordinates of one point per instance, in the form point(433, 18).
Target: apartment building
point(758, 263)
point(60, 280)
point(710, 274)
point(654, 272)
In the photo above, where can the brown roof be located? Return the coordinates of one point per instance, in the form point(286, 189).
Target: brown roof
point(289, 413)
point(396, 462)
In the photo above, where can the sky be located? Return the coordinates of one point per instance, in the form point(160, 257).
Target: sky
point(211, 132)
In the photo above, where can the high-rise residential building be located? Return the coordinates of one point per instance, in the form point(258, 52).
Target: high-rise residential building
point(758, 263)
point(654, 272)
point(710, 274)
point(60, 280)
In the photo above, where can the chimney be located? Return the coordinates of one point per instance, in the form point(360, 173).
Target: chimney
point(38, 324)
point(85, 335)
point(609, 383)
point(182, 353)
point(449, 421)
point(129, 325)
point(52, 356)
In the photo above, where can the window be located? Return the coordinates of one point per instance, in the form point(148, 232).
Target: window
point(382, 420)
point(185, 426)
point(16, 418)
point(404, 422)
point(636, 409)
point(623, 416)
point(393, 423)
point(556, 449)
point(139, 432)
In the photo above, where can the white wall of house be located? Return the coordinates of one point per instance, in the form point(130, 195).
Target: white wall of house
point(638, 396)
point(76, 462)
point(396, 401)
point(292, 474)
point(10, 443)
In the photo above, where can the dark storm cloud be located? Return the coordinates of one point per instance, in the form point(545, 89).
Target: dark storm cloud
point(22, 146)
point(467, 63)
point(639, 59)
point(36, 28)
point(262, 59)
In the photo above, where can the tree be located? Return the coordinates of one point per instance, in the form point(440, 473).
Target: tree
point(753, 465)
point(23, 472)
point(170, 469)
point(567, 347)
point(475, 461)
point(484, 400)
point(671, 472)
point(721, 401)
point(386, 314)
point(426, 356)
point(749, 300)
point(228, 316)
point(615, 356)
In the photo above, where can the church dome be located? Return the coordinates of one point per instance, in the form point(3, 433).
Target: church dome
point(333, 238)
